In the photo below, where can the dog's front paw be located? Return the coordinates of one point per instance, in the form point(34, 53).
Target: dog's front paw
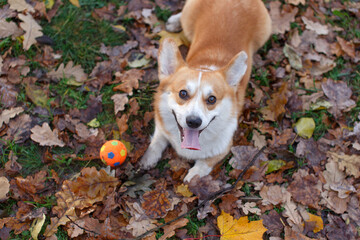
point(200, 168)
point(173, 23)
point(149, 160)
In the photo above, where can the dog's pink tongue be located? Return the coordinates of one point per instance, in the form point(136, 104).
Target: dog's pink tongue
point(191, 139)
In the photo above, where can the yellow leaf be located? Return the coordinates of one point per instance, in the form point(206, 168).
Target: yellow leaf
point(120, 27)
point(318, 220)
point(94, 123)
point(49, 3)
point(241, 229)
point(320, 105)
point(179, 38)
point(184, 190)
point(305, 127)
point(75, 3)
point(37, 226)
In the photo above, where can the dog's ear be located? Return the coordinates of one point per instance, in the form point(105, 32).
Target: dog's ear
point(169, 59)
point(236, 69)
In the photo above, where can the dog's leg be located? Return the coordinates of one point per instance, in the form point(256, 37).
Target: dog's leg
point(173, 23)
point(203, 167)
point(154, 152)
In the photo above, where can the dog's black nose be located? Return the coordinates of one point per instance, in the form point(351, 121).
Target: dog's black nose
point(193, 121)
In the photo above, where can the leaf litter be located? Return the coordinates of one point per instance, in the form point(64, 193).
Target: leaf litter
point(301, 187)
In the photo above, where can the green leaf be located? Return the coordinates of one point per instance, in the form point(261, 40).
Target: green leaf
point(274, 165)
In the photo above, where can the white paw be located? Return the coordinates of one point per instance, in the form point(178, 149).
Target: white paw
point(173, 23)
point(149, 160)
point(200, 168)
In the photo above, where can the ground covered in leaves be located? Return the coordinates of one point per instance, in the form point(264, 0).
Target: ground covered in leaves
point(74, 74)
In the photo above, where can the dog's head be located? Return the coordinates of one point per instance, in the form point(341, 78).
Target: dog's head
point(198, 100)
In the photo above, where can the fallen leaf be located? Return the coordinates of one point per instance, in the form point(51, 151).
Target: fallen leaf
point(293, 56)
point(184, 190)
point(75, 3)
point(156, 203)
point(273, 194)
point(20, 6)
point(242, 155)
point(8, 94)
point(331, 200)
point(4, 188)
point(310, 150)
point(169, 230)
point(45, 137)
point(7, 114)
point(141, 226)
point(37, 226)
point(19, 128)
point(204, 186)
point(347, 163)
point(281, 18)
point(291, 234)
point(241, 229)
point(273, 223)
point(305, 127)
point(296, 2)
point(37, 95)
point(259, 140)
point(276, 105)
point(32, 30)
point(318, 220)
point(69, 71)
point(315, 26)
point(338, 229)
point(9, 29)
point(248, 207)
point(119, 102)
point(274, 165)
point(347, 47)
point(339, 94)
point(122, 123)
point(130, 80)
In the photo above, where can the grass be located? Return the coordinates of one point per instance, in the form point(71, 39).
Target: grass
point(194, 223)
point(79, 36)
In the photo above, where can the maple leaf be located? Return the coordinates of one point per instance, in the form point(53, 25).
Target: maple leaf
point(276, 105)
point(281, 19)
point(347, 163)
point(32, 30)
point(69, 71)
point(20, 6)
point(7, 114)
point(241, 229)
point(119, 102)
point(156, 203)
point(45, 137)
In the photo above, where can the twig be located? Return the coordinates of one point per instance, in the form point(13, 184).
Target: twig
point(212, 197)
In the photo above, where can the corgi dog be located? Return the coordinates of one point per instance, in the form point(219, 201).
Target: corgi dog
point(199, 101)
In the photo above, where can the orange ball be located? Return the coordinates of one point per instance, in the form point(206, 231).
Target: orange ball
point(113, 153)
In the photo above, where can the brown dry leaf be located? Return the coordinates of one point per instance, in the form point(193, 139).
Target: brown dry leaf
point(20, 5)
point(347, 47)
point(248, 207)
point(119, 102)
point(321, 66)
point(169, 230)
point(69, 71)
point(205, 186)
point(296, 2)
point(19, 128)
point(7, 114)
point(141, 226)
point(4, 188)
point(45, 137)
point(156, 203)
point(338, 229)
point(292, 212)
point(335, 180)
point(309, 149)
point(281, 18)
point(9, 29)
point(305, 189)
point(273, 223)
point(259, 140)
point(38, 95)
point(130, 80)
point(315, 26)
point(276, 105)
point(273, 194)
point(242, 155)
point(331, 200)
point(8, 94)
point(29, 188)
point(291, 234)
point(309, 99)
point(347, 163)
point(32, 30)
point(294, 58)
point(340, 96)
point(122, 123)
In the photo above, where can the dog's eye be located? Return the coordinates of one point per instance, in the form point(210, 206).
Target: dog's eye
point(211, 100)
point(183, 94)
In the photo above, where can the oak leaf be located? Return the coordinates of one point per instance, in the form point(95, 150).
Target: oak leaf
point(130, 80)
point(281, 19)
point(20, 6)
point(9, 29)
point(276, 105)
point(119, 102)
point(347, 163)
point(7, 114)
point(169, 230)
point(4, 188)
point(315, 26)
point(69, 71)
point(291, 234)
point(45, 137)
point(347, 47)
point(141, 226)
point(19, 128)
point(241, 229)
point(32, 30)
